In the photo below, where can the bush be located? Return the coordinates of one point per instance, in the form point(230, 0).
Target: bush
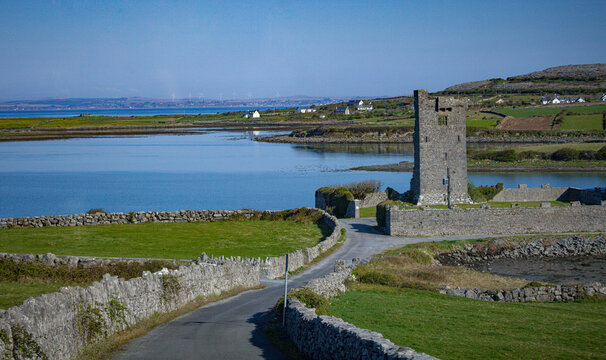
point(601, 154)
point(484, 192)
point(96, 211)
point(337, 199)
point(565, 154)
point(377, 278)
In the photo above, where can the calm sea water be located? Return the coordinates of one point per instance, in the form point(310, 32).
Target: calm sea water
point(210, 170)
point(126, 112)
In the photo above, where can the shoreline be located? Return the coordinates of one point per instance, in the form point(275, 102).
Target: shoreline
point(407, 166)
point(286, 139)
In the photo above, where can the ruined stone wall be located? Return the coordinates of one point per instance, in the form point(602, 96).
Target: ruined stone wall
point(436, 222)
point(440, 148)
point(52, 320)
point(524, 193)
point(542, 293)
point(124, 218)
point(548, 193)
point(373, 199)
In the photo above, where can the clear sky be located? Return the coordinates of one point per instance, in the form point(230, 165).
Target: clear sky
point(242, 49)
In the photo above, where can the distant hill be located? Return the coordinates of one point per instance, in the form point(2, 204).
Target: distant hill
point(588, 78)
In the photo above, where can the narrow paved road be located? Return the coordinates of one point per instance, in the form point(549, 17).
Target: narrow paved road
point(232, 328)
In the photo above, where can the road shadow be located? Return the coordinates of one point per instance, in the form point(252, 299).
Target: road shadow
point(258, 339)
point(366, 229)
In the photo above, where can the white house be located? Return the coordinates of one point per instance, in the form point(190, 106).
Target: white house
point(365, 107)
point(500, 101)
point(355, 102)
point(343, 110)
point(304, 110)
point(603, 98)
point(251, 114)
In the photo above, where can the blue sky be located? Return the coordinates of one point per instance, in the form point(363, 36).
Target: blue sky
point(241, 49)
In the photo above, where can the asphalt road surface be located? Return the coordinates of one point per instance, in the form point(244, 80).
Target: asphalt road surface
point(233, 328)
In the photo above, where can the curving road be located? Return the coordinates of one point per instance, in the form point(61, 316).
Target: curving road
point(232, 328)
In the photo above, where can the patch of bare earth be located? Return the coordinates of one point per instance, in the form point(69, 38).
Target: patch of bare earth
point(529, 123)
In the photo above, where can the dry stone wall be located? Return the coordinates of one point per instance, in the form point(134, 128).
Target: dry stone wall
point(62, 323)
point(437, 222)
point(124, 218)
point(542, 293)
point(548, 193)
point(329, 337)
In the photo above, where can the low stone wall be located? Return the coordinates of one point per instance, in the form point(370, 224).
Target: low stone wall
point(499, 249)
point(548, 193)
point(60, 324)
point(124, 218)
point(437, 222)
point(51, 259)
point(543, 293)
point(329, 337)
point(273, 267)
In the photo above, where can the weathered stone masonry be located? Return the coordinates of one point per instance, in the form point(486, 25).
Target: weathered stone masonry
point(436, 222)
point(440, 150)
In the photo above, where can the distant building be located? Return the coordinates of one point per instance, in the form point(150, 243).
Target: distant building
point(500, 102)
point(575, 100)
point(365, 107)
point(304, 110)
point(555, 99)
point(251, 114)
point(343, 110)
point(355, 102)
point(603, 98)
point(84, 114)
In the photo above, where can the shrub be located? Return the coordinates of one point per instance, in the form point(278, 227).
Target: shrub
point(601, 154)
point(565, 154)
point(377, 278)
point(484, 192)
point(337, 199)
point(96, 211)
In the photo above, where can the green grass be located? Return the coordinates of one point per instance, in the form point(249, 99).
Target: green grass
point(249, 238)
point(451, 327)
point(595, 146)
point(368, 212)
point(14, 293)
point(584, 122)
point(489, 123)
point(547, 111)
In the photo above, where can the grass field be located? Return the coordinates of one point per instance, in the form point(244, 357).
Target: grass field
point(481, 122)
point(554, 147)
point(540, 111)
point(535, 163)
point(451, 327)
point(368, 212)
point(14, 293)
point(584, 122)
point(249, 238)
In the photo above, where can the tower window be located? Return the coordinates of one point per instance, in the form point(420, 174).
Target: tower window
point(445, 156)
point(459, 138)
point(426, 139)
point(443, 120)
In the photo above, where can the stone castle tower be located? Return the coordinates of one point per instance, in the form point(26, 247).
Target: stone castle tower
point(440, 170)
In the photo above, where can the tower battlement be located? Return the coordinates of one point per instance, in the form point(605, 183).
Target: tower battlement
point(440, 169)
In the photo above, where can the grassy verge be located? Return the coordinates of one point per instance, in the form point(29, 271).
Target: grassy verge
point(19, 281)
point(103, 349)
point(323, 255)
point(250, 238)
point(551, 148)
point(451, 327)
